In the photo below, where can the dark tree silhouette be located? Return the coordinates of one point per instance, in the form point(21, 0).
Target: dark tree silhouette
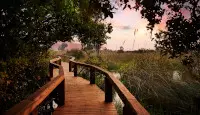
point(182, 32)
point(28, 28)
point(62, 46)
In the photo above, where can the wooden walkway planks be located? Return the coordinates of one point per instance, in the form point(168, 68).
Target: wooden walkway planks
point(81, 98)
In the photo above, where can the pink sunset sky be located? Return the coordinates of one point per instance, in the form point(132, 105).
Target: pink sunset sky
point(125, 23)
point(129, 30)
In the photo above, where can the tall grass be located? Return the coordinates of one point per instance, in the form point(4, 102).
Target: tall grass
point(148, 76)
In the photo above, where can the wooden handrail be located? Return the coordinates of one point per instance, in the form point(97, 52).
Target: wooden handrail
point(56, 85)
point(131, 105)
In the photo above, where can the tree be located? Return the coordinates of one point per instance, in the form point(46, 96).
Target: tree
point(40, 24)
point(181, 34)
point(62, 46)
point(96, 35)
point(121, 49)
point(28, 28)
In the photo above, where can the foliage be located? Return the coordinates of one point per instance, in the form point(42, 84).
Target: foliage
point(40, 25)
point(78, 54)
point(149, 77)
point(21, 76)
point(94, 60)
point(181, 34)
point(121, 49)
point(28, 28)
point(112, 66)
point(96, 36)
point(62, 46)
point(193, 64)
point(158, 91)
point(119, 107)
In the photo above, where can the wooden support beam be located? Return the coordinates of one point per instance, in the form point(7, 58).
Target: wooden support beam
point(70, 66)
point(128, 111)
point(50, 70)
point(108, 90)
point(92, 75)
point(59, 62)
point(75, 70)
point(61, 93)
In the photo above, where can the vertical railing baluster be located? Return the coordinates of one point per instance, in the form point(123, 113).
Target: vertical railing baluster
point(108, 90)
point(50, 70)
point(127, 110)
point(59, 62)
point(196, 105)
point(61, 93)
point(75, 70)
point(92, 75)
point(70, 66)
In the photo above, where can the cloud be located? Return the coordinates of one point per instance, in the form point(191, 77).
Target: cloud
point(123, 27)
point(124, 23)
point(126, 27)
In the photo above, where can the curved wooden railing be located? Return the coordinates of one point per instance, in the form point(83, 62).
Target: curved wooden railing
point(131, 105)
point(55, 88)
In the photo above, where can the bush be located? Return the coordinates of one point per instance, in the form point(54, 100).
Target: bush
point(94, 60)
point(19, 77)
point(112, 66)
point(78, 54)
point(149, 78)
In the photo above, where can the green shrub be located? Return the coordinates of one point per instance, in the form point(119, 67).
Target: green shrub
point(94, 60)
point(112, 66)
point(149, 78)
point(19, 77)
point(78, 54)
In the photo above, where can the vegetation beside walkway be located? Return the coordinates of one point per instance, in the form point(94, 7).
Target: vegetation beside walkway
point(162, 85)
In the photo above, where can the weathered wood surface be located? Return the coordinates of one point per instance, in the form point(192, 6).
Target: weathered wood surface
point(83, 98)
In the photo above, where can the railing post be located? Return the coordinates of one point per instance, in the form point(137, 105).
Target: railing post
point(61, 93)
point(75, 70)
point(108, 90)
point(70, 66)
point(197, 105)
point(59, 61)
point(35, 111)
point(127, 110)
point(92, 75)
point(50, 70)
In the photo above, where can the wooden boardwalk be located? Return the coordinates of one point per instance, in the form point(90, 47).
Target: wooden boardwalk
point(81, 98)
point(77, 96)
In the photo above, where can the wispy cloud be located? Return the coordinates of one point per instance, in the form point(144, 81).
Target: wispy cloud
point(126, 27)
